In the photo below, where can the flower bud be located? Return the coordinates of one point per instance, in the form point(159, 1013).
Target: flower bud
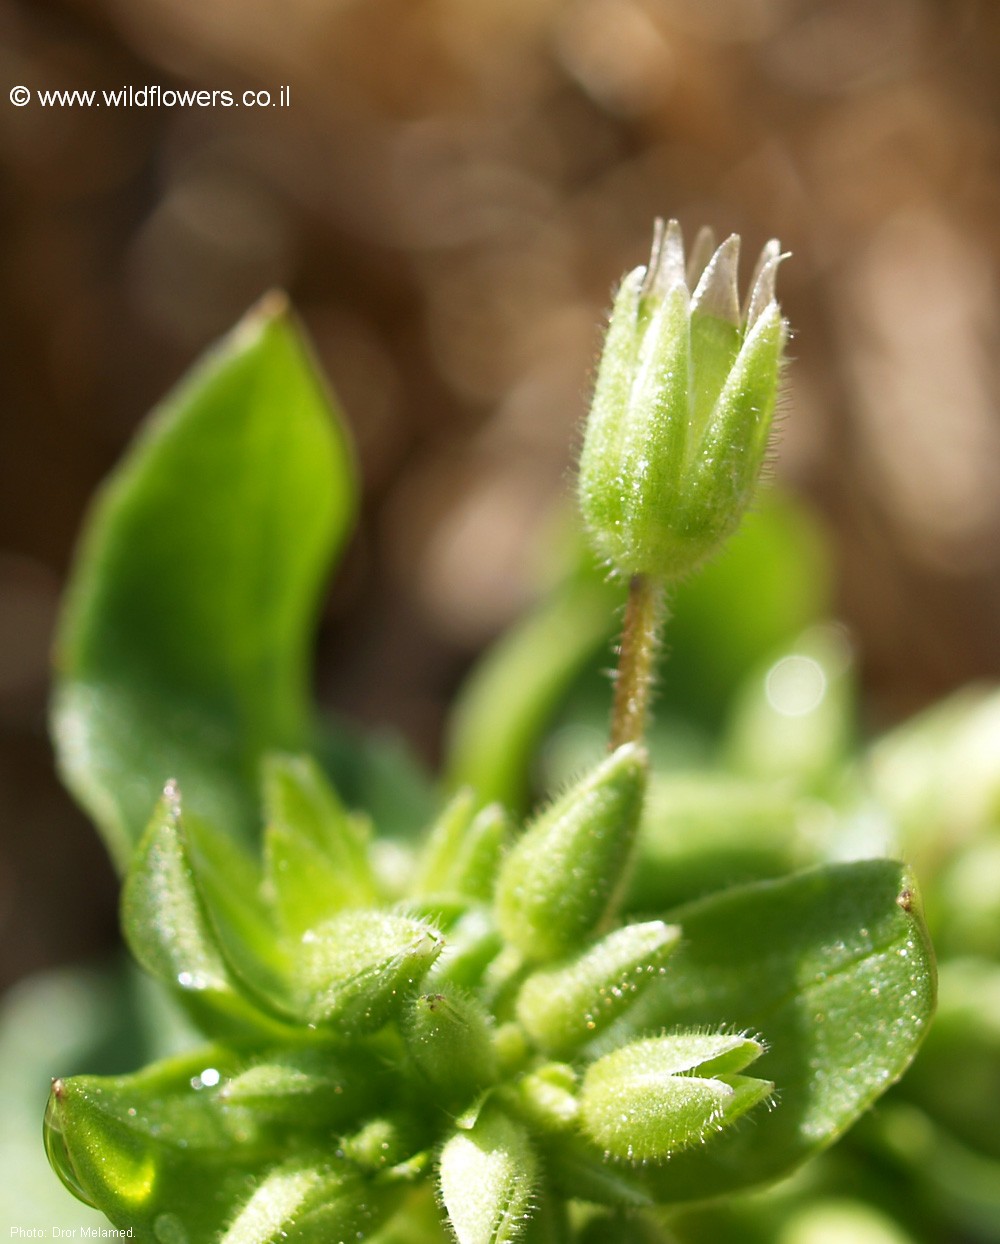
point(565, 1006)
point(562, 877)
point(450, 1040)
point(682, 407)
point(306, 1087)
point(489, 1176)
point(647, 1100)
point(355, 970)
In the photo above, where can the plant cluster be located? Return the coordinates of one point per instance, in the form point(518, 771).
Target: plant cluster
point(503, 1033)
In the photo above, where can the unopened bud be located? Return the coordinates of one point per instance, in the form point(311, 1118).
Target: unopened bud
point(648, 1100)
point(450, 1040)
point(562, 877)
point(355, 970)
point(682, 407)
point(489, 1176)
point(565, 1006)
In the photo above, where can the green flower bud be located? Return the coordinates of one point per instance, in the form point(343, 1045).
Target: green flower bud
point(652, 1098)
point(450, 1039)
point(488, 1179)
point(382, 1143)
point(565, 1006)
point(547, 1097)
point(306, 1087)
point(562, 877)
point(309, 1205)
point(682, 407)
point(355, 970)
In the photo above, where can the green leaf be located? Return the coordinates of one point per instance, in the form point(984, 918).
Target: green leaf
point(171, 931)
point(183, 650)
point(578, 1169)
point(474, 869)
point(488, 1180)
point(956, 1079)
point(462, 851)
point(442, 843)
point(793, 719)
point(839, 1219)
point(315, 851)
point(511, 695)
point(704, 831)
point(833, 968)
point(166, 1142)
point(945, 1177)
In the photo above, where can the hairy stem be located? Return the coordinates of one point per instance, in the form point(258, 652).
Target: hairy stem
point(644, 617)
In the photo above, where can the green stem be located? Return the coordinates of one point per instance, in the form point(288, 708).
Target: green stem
point(640, 642)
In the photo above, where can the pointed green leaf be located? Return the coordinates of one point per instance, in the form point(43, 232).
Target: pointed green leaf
point(476, 862)
point(183, 648)
point(162, 1141)
point(230, 883)
point(442, 843)
point(169, 929)
point(488, 1180)
point(316, 851)
point(301, 885)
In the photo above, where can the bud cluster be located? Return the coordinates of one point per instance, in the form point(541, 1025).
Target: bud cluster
point(470, 1032)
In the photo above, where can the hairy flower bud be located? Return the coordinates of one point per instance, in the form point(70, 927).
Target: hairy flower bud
point(488, 1179)
point(682, 407)
point(567, 1005)
point(647, 1100)
point(561, 879)
point(450, 1040)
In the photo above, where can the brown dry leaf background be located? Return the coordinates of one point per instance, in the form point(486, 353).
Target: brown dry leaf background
point(449, 197)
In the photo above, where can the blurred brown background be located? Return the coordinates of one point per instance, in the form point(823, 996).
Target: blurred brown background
point(449, 197)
